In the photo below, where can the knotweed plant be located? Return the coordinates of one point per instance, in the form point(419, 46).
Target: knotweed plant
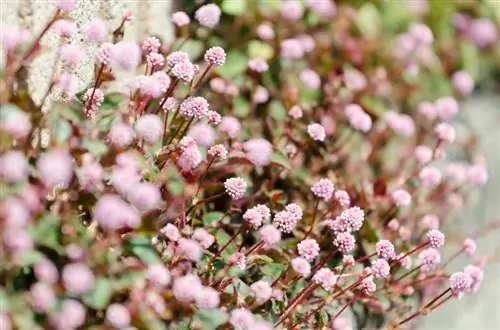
point(275, 165)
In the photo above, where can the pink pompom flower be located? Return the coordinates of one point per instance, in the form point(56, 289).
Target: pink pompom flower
point(258, 151)
point(385, 249)
point(380, 268)
point(95, 31)
point(401, 197)
point(262, 291)
point(469, 246)
point(308, 249)
point(445, 132)
point(118, 316)
point(463, 82)
point(215, 56)
point(180, 18)
point(270, 235)
point(325, 278)
point(77, 278)
point(13, 166)
point(446, 107)
point(344, 242)
point(428, 260)
point(436, 238)
point(301, 266)
point(55, 168)
point(316, 132)
point(208, 15)
point(323, 189)
point(235, 187)
point(126, 55)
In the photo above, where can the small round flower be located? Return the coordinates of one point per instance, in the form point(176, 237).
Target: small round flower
point(151, 45)
point(170, 104)
point(401, 124)
point(126, 55)
point(307, 42)
point(258, 151)
point(469, 246)
point(301, 266)
point(215, 56)
point(430, 177)
point(13, 166)
point(112, 213)
point(77, 278)
point(258, 65)
point(218, 151)
point(183, 71)
point(17, 240)
point(446, 107)
point(64, 28)
point(285, 221)
point(46, 271)
point(95, 31)
point(325, 278)
point(189, 159)
point(207, 298)
point(42, 297)
point(186, 288)
point(342, 197)
point(477, 174)
point(105, 53)
point(385, 249)
point(428, 260)
point(171, 232)
point(341, 323)
point(180, 18)
point(266, 212)
point(121, 135)
point(203, 134)
point(270, 235)
point(291, 49)
point(405, 261)
point(324, 8)
point(261, 95)
point(55, 168)
point(308, 249)
point(241, 319)
point(158, 275)
point(71, 55)
point(422, 33)
point(323, 189)
point(401, 197)
point(213, 117)
point(368, 286)
point(344, 242)
point(253, 218)
point(239, 259)
point(66, 83)
point(436, 238)
point(463, 82)
point(155, 60)
point(482, 32)
point(265, 31)
point(262, 291)
point(460, 282)
point(189, 249)
point(430, 221)
point(230, 125)
point(476, 274)
point(427, 109)
point(292, 10)
point(208, 15)
point(295, 112)
point(118, 316)
point(310, 79)
point(66, 5)
point(380, 269)
point(358, 118)
point(203, 237)
point(149, 128)
point(145, 196)
point(16, 123)
point(352, 218)
point(423, 154)
point(445, 132)
point(90, 175)
point(70, 316)
point(218, 85)
point(194, 107)
point(235, 187)
point(176, 58)
point(316, 132)
point(355, 80)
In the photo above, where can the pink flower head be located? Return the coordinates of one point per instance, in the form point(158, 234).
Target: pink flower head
point(95, 31)
point(189, 249)
point(266, 212)
point(265, 31)
point(430, 177)
point(145, 196)
point(261, 95)
point(258, 65)
point(66, 83)
point(190, 158)
point(203, 237)
point(380, 269)
point(12, 38)
point(446, 107)
point(91, 174)
point(301, 266)
point(430, 221)
point(218, 85)
point(213, 117)
point(42, 297)
point(270, 235)
point(184, 71)
point(55, 168)
point(482, 32)
point(230, 125)
point(46, 271)
point(77, 278)
point(323, 189)
point(149, 128)
point(477, 174)
point(342, 198)
point(469, 246)
point(341, 323)
point(126, 55)
point(427, 109)
point(14, 212)
point(239, 259)
point(258, 151)
point(401, 197)
point(405, 261)
point(401, 124)
point(93, 98)
point(13, 166)
point(316, 132)
point(180, 18)
point(208, 15)
point(325, 278)
point(385, 249)
point(170, 104)
point(70, 316)
point(348, 260)
point(308, 249)
point(435, 238)
point(423, 154)
point(235, 187)
point(460, 282)
point(186, 288)
point(17, 240)
point(324, 8)
point(64, 28)
point(428, 260)
point(344, 242)
point(421, 33)
point(307, 42)
point(262, 291)
point(358, 118)
point(71, 55)
point(66, 5)
point(352, 219)
point(203, 134)
point(476, 274)
point(310, 79)
point(207, 297)
point(194, 107)
point(171, 232)
point(355, 80)
point(176, 58)
point(291, 49)
point(218, 151)
point(285, 221)
point(253, 218)
point(215, 56)
point(241, 319)
point(151, 45)
point(463, 82)
point(16, 123)
point(292, 10)
point(158, 275)
point(112, 213)
point(368, 286)
point(118, 316)
point(295, 112)
point(445, 132)
point(155, 60)
point(121, 135)
point(105, 53)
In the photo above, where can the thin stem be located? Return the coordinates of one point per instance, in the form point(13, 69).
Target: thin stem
point(168, 93)
point(353, 299)
point(203, 75)
point(208, 199)
point(417, 313)
point(316, 205)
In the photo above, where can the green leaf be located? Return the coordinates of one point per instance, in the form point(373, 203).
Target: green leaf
point(257, 48)
point(175, 187)
point(141, 247)
point(30, 258)
point(368, 20)
point(272, 269)
point(234, 7)
point(277, 111)
point(236, 64)
point(263, 260)
point(241, 107)
point(46, 232)
point(211, 318)
point(63, 130)
point(211, 217)
point(97, 148)
point(278, 159)
point(100, 295)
